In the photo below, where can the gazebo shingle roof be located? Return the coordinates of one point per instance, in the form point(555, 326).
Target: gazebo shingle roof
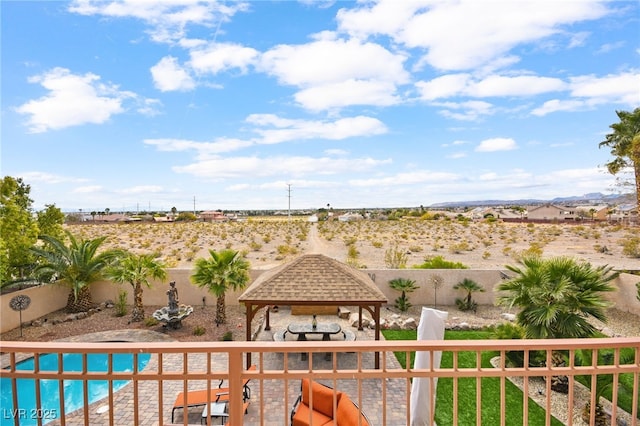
point(311, 279)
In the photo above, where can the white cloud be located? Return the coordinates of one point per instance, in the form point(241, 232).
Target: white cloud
point(469, 111)
point(167, 19)
point(491, 86)
point(218, 57)
point(347, 93)
point(168, 75)
point(49, 178)
point(244, 167)
point(338, 152)
point(72, 100)
point(621, 88)
point(473, 42)
point(496, 144)
point(410, 178)
point(288, 130)
point(589, 91)
point(331, 61)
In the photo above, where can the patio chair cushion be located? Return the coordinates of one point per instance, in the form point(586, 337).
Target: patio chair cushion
point(347, 413)
point(322, 398)
point(301, 417)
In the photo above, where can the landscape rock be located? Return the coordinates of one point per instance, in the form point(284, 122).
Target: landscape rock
point(409, 324)
point(507, 316)
point(343, 312)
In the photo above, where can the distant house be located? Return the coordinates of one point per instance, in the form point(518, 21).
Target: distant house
point(600, 212)
point(626, 213)
point(162, 219)
point(213, 216)
point(551, 212)
point(350, 217)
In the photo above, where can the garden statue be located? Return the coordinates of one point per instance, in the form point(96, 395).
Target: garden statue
point(172, 315)
point(173, 298)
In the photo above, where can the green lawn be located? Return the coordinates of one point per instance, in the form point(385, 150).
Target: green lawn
point(467, 387)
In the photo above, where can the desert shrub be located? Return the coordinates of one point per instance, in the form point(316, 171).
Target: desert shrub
point(227, 337)
point(460, 247)
point(395, 258)
point(255, 246)
point(352, 252)
point(151, 321)
point(121, 304)
point(377, 244)
point(415, 249)
point(631, 246)
point(199, 330)
point(486, 255)
point(439, 262)
point(286, 249)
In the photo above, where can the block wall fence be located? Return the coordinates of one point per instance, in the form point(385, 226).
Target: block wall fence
point(50, 298)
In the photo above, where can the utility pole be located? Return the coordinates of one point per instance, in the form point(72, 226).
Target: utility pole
point(194, 205)
point(289, 198)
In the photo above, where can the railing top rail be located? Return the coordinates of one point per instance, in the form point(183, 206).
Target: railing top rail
point(318, 346)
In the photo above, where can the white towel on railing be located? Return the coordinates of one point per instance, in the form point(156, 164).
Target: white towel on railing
point(431, 327)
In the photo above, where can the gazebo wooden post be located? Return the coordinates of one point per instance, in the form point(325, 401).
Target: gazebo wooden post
point(267, 327)
point(360, 328)
point(249, 316)
point(377, 334)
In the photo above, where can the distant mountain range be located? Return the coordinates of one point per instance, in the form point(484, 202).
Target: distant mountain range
point(590, 199)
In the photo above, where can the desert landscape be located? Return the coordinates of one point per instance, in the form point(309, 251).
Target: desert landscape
point(268, 242)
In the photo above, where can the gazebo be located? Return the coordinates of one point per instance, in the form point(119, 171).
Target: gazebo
point(313, 280)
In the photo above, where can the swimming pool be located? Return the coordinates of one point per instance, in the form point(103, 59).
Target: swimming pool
point(27, 411)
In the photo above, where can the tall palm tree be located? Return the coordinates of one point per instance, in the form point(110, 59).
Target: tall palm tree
point(624, 142)
point(76, 266)
point(223, 270)
point(556, 297)
point(136, 269)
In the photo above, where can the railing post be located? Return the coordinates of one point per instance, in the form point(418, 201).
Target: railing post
point(235, 387)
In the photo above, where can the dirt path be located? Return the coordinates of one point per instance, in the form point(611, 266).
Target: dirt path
point(316, 244)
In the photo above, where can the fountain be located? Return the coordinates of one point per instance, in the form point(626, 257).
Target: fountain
point(172, 315)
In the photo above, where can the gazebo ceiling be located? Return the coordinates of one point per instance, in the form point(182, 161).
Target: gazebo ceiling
point(313, 279)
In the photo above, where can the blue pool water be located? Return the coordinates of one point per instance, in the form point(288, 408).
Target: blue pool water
point(27, 411)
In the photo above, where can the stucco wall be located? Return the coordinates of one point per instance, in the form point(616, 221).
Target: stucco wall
point(47, 299)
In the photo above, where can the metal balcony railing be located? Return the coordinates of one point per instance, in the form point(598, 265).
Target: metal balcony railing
point(383, 394)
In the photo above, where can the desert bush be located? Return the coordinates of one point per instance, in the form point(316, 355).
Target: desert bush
point(377, 244)
point(415, 249)
point(631, 246)
point(227, 337)
point(151, 322)
point(395, 258)
point(460, 247)
point(439, 262)
point(255, 246)
point(486, 255)
point(121, 305)
point(199, 330)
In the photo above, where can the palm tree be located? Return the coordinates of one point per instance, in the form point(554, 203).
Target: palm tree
point(77, 266)
point(404, 285)
point(556, 297)
point(624, 142)
point(224, 270)
point(470, 286)
point(136, 270)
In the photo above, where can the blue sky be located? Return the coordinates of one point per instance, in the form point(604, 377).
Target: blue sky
point(154, 104)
